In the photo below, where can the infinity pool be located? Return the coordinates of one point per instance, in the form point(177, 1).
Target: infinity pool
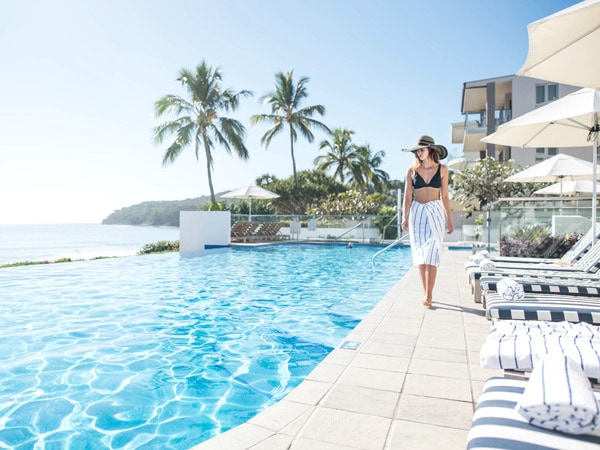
point(165, 352)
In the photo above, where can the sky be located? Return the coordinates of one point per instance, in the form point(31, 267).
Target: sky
point(79, 80)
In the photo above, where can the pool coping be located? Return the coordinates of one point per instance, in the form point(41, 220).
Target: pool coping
point(403, 378)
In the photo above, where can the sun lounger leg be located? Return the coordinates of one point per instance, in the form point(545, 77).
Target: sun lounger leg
point(476, 291)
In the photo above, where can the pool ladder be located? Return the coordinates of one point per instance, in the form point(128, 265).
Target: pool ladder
point(358, 225)
point(393, 244)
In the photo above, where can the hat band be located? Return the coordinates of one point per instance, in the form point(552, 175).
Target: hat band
point(427, 143)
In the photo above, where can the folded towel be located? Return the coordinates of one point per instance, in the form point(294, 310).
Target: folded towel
point(476, 258)
point(521, 344)
point(509, 289)
point(484, 253)
point(473, 261)
point(486, 264)
point(559, 397)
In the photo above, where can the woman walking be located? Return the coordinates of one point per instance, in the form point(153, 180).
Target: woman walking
point(427, 210)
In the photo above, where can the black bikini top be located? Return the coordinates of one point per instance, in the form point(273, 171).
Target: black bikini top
point(435, 182)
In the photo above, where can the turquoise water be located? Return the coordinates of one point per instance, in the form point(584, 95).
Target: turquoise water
point(165, 352)
point(41, 242)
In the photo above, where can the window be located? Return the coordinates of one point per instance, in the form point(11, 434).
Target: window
point(542, 154)
point(545, 93)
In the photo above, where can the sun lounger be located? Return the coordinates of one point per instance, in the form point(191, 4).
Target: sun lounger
point(549, 307)
point(586, 267)
point(543, 285)
point(269, 231)
point(497, 424)
point(547, 285)
point(572, 255)
point(518, 345)
point(243, 231)
point(273, 231)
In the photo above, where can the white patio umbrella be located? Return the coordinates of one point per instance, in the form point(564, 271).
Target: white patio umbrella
point(570, 121)
point(559, 168)
point(249, 192)
point(563, 47)
point(573, 187)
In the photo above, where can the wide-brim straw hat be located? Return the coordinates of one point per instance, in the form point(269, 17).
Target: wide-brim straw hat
point(427, 141)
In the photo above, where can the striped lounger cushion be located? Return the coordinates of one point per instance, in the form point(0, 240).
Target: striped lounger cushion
point(497, 424)
point(550, 307)
point(519, 345)
point(547, 286)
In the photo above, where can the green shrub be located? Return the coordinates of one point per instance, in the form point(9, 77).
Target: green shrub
point(160, 247)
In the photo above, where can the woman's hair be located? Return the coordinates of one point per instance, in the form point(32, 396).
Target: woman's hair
point(435, 156)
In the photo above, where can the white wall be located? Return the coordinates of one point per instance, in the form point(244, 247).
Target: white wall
point(523, 101)
point(199, 229)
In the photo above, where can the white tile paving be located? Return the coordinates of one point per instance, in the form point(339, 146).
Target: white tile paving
point(412, 381)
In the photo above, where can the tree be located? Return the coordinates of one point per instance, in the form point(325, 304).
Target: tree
point(340, 154)
point(483, 183)
point(316, 187)
point(366, 174)
point(198, 121)
point(286, 108)
point(348, 203)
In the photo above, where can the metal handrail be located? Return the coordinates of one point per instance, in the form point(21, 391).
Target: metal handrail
point(361, 224)
point(388, 224)
point(393, 244)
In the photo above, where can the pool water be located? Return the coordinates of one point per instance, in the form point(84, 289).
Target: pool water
point(165, 352)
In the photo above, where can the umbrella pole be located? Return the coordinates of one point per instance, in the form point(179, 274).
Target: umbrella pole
point(561, 194)
point(250, 209)
point(594, 176)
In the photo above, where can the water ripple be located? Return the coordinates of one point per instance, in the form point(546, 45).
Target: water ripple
point(165, 352)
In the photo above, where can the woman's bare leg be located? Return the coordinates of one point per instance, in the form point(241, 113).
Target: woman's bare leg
point(428, 274)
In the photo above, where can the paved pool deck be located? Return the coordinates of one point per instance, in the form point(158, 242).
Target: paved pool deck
point(405, 378)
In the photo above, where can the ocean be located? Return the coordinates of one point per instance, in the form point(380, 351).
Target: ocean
point(19, 243)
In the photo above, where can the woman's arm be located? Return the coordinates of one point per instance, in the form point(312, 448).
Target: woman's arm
point(446, 199)
point(408, 195)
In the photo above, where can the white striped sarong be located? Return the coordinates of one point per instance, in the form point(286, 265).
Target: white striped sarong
point(427, 222)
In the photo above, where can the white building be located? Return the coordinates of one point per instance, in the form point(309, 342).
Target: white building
point(486, 104)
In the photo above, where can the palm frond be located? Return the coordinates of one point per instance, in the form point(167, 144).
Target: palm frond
point(276, 129)
point(172, 104)
point(166, 129)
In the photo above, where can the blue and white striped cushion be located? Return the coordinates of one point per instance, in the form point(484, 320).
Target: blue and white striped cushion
point(497, 424)
point(549, 307)
point(565, 286)
point(520, 345)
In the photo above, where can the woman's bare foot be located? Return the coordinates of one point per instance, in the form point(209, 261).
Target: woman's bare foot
point(427, 303)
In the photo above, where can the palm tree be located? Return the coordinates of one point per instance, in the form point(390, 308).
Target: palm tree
point(341, 154)
point(365, 170)
point(286, 108)
point(198, 121)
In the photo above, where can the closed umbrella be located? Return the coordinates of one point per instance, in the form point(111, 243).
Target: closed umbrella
point(249, 192)
point(570, 121)
point(564, 47)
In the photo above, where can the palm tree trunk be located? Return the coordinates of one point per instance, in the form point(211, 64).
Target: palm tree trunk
point(293, 159)
point(296, 186)
point(208, 155)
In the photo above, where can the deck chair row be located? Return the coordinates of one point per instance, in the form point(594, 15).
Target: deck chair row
point(587, 267)
point(255, 232)
point(558, 311)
